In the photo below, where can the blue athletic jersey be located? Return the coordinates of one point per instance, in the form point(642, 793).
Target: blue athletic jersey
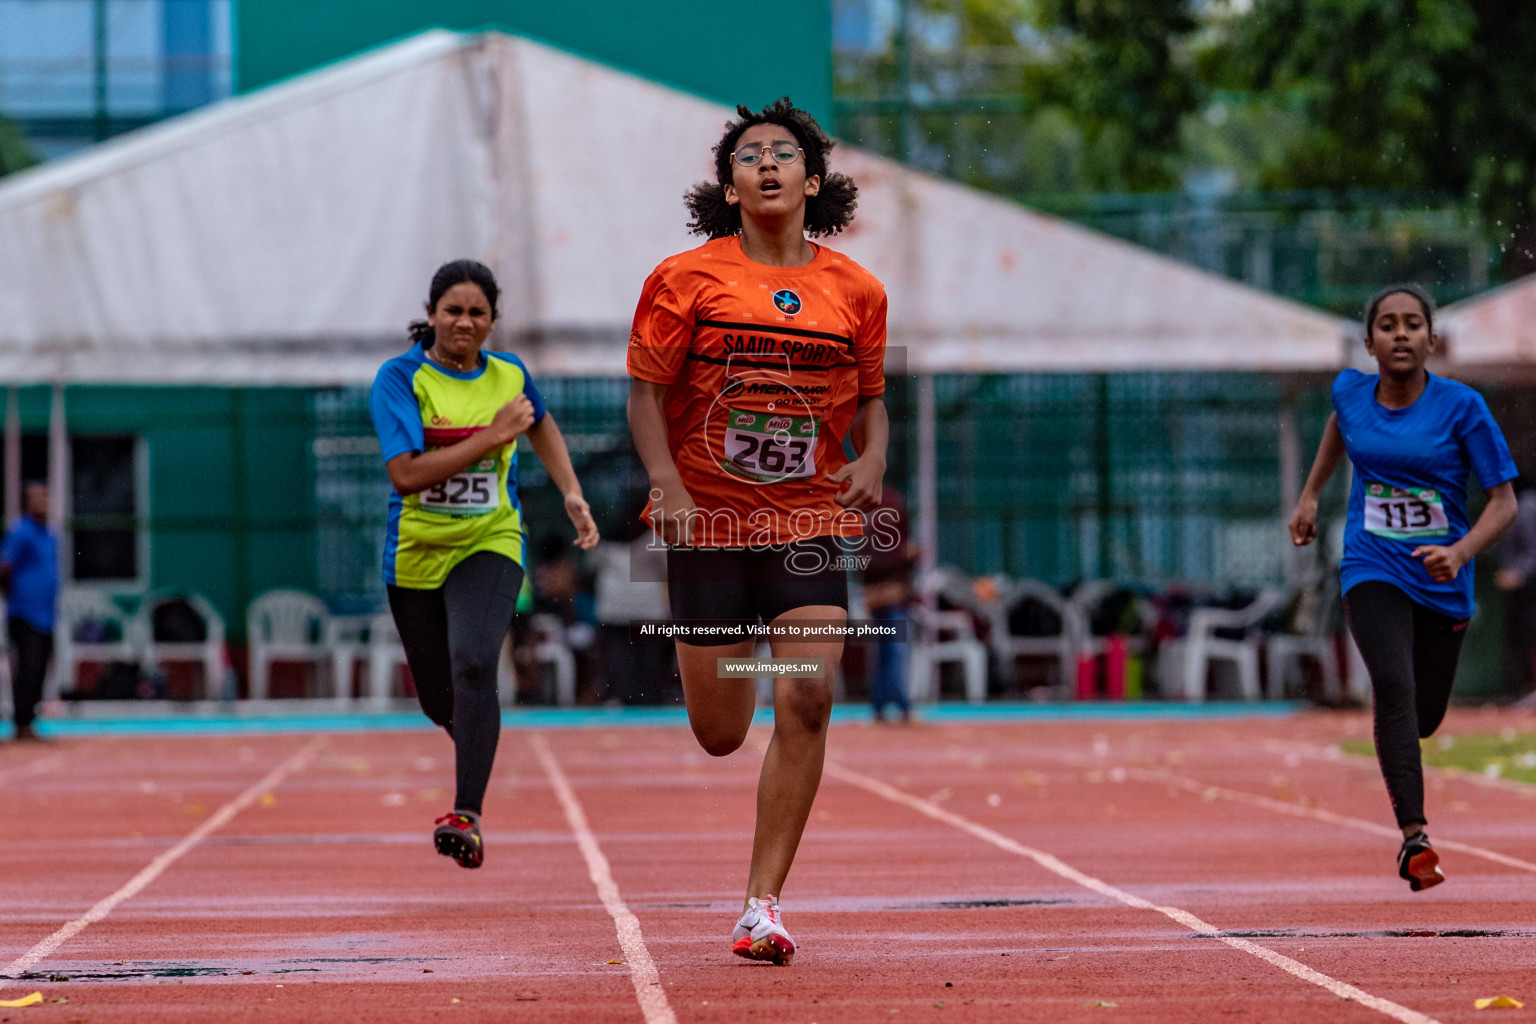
point(1410, 485)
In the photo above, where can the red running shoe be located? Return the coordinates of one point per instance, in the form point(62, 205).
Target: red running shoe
point(760, 933)
point(458, 836)
point(1418, 862)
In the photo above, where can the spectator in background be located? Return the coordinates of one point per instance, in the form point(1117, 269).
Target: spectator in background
point(1517, 578)
point(887, 592)
point(555, 579)
point(29, 574)
point(562, 616)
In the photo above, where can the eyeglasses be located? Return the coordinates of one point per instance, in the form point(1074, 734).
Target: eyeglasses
point(751, 154)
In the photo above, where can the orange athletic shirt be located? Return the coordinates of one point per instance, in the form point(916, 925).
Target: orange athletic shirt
point(764, 367)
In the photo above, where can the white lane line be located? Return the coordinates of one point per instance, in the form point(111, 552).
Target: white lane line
point(1058, 867)
point(157, 866)
point(21, 771)
point(642, 969)
point(1298, 811)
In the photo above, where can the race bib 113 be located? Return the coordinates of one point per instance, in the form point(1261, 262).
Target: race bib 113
point(1404, 513)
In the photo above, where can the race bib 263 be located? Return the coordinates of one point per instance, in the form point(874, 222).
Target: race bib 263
point(769, 447)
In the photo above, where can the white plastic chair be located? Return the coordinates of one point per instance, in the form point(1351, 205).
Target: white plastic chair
point(286, 625)
point(385, 655)
point(1284, 650)
point(347, 638)
point(1061, 647)
point(939, 637)
point(209, 652)
point(549, 648)
point(77, 607)
point(1182, 663)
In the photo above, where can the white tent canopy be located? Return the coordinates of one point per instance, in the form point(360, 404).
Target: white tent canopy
point(1493, 333)
point(288, 236)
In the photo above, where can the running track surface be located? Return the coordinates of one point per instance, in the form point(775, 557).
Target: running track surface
point(1232, 870)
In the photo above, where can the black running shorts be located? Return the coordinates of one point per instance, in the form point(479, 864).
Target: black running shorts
point(752, 584)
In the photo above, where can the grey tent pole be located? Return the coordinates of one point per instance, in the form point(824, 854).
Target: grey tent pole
point(58, 500)
point(1290, 476)
point(58, 473)
point(12, 455)
point(927, 481)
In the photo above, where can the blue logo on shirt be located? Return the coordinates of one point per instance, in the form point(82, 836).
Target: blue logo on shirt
point(787, 301)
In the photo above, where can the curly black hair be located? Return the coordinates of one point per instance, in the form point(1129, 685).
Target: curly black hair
point(826, 213)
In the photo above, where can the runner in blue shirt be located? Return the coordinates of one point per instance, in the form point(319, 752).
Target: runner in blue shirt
point(1408, 545)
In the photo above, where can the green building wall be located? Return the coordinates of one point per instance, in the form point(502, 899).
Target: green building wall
point(733, 53)
point(230, 497)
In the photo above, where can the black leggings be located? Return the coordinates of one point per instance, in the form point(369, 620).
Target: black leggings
point(1411, 652)
point(452, 637)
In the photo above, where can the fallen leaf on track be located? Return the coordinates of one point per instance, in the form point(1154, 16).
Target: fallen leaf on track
point(31, 1000)
point(1498, 1002)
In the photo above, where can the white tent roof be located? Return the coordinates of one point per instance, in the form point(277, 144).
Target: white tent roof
point(289, 235)
point(1495, 331)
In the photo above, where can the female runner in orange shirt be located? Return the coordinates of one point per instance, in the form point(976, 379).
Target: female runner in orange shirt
point(752, 358)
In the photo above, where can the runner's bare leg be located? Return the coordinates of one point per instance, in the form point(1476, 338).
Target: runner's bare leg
point(720, 712)
point(792, 768)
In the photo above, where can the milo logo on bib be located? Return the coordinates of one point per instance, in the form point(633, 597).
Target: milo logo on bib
point(1405, 513)
point(768, 447)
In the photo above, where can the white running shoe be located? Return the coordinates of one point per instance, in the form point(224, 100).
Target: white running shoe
point(760, 933)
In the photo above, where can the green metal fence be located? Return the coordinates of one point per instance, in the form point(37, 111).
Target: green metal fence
point(352, 489)
point(1155, 478)
point(1149, 477)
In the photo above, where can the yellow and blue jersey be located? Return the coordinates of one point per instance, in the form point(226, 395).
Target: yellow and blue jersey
point(419, 405)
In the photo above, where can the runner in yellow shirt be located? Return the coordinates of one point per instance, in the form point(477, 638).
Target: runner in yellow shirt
point(448, 416)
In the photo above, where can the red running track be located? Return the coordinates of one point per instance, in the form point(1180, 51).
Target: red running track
point(997, 872)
